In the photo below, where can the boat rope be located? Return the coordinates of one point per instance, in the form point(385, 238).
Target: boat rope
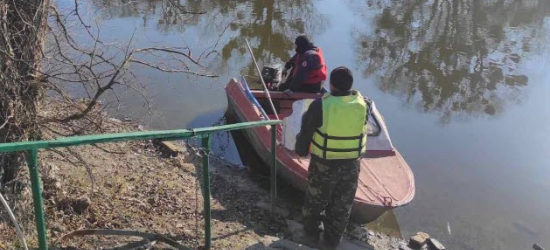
point(382, 185)
point(382, 198)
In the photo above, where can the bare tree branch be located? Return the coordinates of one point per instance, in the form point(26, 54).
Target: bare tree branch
point(29, 68)
point(183, 10)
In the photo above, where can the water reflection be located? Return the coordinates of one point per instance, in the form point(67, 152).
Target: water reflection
point(216, 40)
point(270, 26)
point(454, 58)
point(166, 15)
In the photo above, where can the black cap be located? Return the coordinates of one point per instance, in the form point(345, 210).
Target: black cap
point(302, 41)
point(341, 78)
point(302, 44)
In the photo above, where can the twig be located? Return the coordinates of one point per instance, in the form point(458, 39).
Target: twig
point(183, 11)
point(6, 122)
point(150, 236)
point(135, 200)
point(150, 245)
point(12, 217)
point(216, 44)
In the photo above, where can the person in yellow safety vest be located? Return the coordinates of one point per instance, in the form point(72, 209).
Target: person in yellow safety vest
point(334, 132)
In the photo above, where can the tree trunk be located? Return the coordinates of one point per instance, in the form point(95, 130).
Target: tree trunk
point(22, 31)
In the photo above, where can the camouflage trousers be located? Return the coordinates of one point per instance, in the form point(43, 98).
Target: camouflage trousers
point(331, 189)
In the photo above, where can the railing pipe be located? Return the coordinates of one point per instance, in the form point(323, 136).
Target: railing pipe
point(206, 190)
point(273, 167)
point(165, 135)
point(37, 199)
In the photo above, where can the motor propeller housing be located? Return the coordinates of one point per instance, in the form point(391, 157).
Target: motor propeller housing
point(272, 74)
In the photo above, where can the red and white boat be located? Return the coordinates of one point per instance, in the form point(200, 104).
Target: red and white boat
point(385, 181)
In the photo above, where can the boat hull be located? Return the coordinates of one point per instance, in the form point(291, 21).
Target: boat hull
point(293, 172)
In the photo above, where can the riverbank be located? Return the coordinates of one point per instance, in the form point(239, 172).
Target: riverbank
point(135, 186)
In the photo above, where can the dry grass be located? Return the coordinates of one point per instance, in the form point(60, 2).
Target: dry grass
point(130, 186)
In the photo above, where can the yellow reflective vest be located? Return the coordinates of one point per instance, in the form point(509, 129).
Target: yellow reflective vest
point(343, 134)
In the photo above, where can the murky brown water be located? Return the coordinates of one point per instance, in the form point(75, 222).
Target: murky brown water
point(462, 84)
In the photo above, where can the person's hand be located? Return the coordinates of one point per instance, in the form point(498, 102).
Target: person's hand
point(285, 72)
point(288, 92)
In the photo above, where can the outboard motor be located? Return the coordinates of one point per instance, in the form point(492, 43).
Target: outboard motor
point(272, 74)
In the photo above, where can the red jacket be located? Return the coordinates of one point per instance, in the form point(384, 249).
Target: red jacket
point(309, 67)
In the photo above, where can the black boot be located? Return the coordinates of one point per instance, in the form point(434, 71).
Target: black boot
point(307, 238)
point(330, 242)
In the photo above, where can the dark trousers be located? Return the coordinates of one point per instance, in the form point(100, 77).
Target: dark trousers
point(331, 188)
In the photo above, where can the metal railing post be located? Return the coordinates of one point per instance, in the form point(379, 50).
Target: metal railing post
point(37, 199)
point(273, 167)
point(206, 192)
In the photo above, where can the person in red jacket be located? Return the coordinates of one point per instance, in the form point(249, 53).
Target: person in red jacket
point(309, 70)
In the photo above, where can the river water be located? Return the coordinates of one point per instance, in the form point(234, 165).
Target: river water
point(463, 86)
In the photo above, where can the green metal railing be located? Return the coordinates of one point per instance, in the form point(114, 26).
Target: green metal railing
point(32, 148)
